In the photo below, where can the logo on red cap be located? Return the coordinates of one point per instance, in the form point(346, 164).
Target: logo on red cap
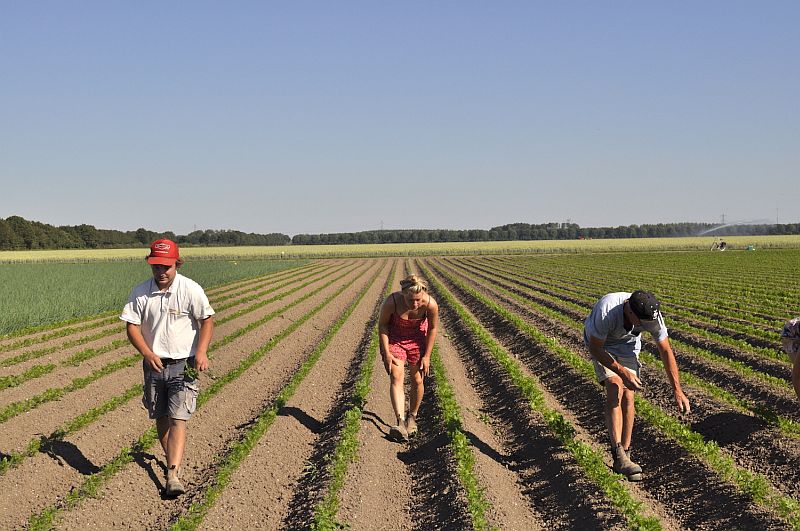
point(163, 252)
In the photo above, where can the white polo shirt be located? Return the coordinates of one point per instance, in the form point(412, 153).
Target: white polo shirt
point(168, 319)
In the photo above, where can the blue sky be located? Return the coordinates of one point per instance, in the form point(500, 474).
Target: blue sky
point(311, 117)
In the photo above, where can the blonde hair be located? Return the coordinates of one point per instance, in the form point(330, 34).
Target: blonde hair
point(413, 284)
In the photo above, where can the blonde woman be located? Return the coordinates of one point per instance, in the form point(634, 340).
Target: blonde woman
point(408, 324)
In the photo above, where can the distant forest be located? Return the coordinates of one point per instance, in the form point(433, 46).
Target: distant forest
point(17, 233)
point(545, 231)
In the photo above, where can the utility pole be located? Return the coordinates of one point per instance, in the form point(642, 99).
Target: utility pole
point(723, 219)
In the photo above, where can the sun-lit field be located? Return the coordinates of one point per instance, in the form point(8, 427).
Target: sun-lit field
point(700, 243)
point(292, 421)
point(34, 294)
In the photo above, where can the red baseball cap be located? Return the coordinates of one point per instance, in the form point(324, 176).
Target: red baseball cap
point(163, 252)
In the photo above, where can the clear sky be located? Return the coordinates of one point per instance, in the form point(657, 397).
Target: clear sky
point(340, 116)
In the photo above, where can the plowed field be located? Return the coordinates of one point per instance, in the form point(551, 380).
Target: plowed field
point(292, 422)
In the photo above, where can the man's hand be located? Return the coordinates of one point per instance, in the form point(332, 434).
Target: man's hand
point(630, 380)
point(682, 401)
point(201, 361)
point(154, 362)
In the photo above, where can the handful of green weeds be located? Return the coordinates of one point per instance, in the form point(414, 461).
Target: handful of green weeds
point(191, 372)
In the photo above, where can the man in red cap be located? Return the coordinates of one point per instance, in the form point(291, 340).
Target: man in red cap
point(169, 321)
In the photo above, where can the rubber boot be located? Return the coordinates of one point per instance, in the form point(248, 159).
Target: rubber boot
point(623, 464)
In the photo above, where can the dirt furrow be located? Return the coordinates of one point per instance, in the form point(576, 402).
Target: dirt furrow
point(100, 442)
point(401, 486)
point(48, 417)
point(781, 401)
point(266, 490)
point(671, 475)
point(213, 428)
point(502, 464)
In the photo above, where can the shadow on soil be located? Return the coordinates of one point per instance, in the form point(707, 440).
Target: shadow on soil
point(379, 423)
point(66, 453)
point(312, 424)
point(728, 427)
point(145, 461)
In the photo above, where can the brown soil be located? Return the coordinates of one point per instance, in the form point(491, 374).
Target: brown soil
point(528, 478)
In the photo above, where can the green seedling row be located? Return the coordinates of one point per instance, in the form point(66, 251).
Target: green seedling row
point(346, 449)
point(587, 458)
point(242, 449)
point(91, 486)
point(750, 483)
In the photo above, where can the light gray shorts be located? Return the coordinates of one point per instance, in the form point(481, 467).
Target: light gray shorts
point(629, 362)
point(170, 393)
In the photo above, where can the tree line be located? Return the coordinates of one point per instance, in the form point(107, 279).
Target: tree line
point(17, 233)
point(545, 231)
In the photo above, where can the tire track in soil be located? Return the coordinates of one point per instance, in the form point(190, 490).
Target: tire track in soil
point(133, 497)
point(101, 441)
point(401, 486)
point(275, 487)
point(687, 490)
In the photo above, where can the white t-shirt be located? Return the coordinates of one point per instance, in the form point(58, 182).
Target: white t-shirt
point(607, 322)
point(168, 319)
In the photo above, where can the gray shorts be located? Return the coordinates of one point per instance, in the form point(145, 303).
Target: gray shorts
point(629, 362)
point(170, 393)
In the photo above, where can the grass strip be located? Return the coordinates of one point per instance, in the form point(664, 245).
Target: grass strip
point(590, 460)
point(260, 304)
point(67, 331)
point(15, 458)
point(241, 450)
point(91, 486)
point(76, 359)
point(276, 287)
point(753, 484)
point(251, 285)
point(346, 449)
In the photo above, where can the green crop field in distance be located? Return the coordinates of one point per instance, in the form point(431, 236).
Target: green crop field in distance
point(35, 294)
point(698, 243)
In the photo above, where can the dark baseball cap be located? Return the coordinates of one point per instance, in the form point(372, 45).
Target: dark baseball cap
point(645, 305)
